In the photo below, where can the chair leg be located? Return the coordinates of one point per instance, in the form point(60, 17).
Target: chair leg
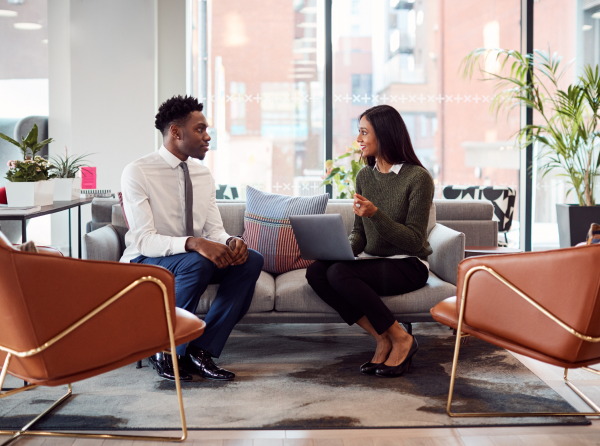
point(138, 365)
point(457, 345)
point(24, 431)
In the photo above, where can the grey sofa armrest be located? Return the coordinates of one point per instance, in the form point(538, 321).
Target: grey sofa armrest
point(102, 244)
point(448, 251)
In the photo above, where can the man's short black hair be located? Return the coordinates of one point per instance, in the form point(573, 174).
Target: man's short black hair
point(175, 111)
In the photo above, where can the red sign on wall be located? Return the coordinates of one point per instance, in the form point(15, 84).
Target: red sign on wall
point(88, 178)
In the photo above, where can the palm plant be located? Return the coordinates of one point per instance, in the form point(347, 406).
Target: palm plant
point(569, 118)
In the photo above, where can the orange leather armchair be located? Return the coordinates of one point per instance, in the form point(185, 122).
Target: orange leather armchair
point(544, 305)
point(63, 320)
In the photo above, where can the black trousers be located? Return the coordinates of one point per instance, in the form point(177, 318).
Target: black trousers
point(353, 289)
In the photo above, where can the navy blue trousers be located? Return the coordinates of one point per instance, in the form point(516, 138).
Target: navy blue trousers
point(193, 273)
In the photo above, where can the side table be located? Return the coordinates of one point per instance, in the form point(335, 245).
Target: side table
point(474, 251)
point(53, 208)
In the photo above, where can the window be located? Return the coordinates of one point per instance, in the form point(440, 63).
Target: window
point(403, 64)
point(237, 109)
point(361, 86)
point(577, 40)
point(24, 67)
point(259, 68)
point(404, 53)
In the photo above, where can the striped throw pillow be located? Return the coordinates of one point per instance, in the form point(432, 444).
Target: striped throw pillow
point(123, 209)
point(267, 227)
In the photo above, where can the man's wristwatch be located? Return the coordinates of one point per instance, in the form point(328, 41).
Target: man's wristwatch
point(230, 239)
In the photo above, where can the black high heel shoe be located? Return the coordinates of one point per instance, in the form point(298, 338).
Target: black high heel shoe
point(368, 368)
point(388, 371)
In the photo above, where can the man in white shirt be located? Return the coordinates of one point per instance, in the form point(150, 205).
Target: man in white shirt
point(170, 205)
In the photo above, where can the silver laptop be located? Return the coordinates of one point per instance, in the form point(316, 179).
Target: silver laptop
point(322, 237)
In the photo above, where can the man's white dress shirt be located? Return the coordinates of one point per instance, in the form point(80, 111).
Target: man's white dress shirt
point(153, 191)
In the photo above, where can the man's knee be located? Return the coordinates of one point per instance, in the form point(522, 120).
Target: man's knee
point(255, 259)
point(192, 262)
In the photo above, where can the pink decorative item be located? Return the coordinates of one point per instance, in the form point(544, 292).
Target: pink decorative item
point(88, 178)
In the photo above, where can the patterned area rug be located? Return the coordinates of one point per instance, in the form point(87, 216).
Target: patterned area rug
point(304, 376)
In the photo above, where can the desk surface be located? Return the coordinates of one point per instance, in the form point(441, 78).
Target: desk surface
point(57, 206)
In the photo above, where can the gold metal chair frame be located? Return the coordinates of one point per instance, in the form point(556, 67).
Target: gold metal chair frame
point(570, 329)
point(25, 429)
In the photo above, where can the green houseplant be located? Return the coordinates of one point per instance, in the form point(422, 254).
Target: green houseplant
point(565, 127)
point(66, 168)
point(30, 179)
point(344, 179)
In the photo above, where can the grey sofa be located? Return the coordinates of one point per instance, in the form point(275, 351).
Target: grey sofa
point(287, 297)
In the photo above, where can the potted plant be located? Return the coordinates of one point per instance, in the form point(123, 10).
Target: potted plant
point(565, 129)
point(344, 180)
point(29, 180)
point(67, 185)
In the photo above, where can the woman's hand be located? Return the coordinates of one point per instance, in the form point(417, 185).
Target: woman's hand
point(363, 207)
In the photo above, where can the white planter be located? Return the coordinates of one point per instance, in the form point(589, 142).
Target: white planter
point(39, 193)
point(67, 189)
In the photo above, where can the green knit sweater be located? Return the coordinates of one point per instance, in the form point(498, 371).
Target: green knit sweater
point(403, 200)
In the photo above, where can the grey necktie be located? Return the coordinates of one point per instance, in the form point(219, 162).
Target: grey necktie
point(189, 201)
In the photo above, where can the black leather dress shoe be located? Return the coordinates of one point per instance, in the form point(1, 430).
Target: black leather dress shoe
point(163, 364)
point(368, 368)
point(204, 366)
point(388, 371)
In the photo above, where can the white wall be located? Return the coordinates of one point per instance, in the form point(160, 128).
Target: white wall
point(110, 63)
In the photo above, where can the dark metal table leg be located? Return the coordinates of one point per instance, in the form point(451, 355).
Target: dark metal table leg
point(139, 364)
point(24, 231)
point(70, 254)
point(70, 250)
point(79, 231)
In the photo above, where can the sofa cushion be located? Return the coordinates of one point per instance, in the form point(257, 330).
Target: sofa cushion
point(464, 210)
point(294, 294)
point(477, 232)
point(102, 209)
point(232, 214)
point(102, 244)
point(423, 300)
point(448, 251)
point(267, 227)
point(262, 301)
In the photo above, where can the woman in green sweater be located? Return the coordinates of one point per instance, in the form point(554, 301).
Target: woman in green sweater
point(394, 195)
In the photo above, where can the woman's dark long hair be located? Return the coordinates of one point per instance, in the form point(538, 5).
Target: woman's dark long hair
point(393, 140)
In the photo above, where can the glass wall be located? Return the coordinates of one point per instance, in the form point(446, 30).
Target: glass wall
point(23, 85)
point(24, 52)
point(407, 53)
point(572, 32)
point(258, 66)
